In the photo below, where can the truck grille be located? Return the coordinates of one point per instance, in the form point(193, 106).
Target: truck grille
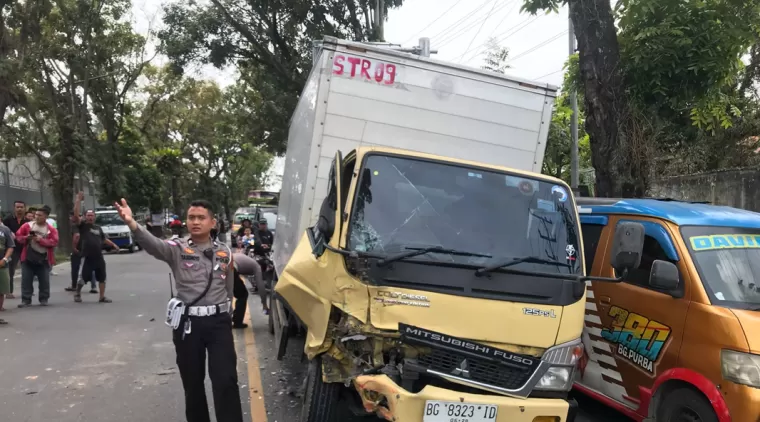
point(479, 370)
point(482, 365)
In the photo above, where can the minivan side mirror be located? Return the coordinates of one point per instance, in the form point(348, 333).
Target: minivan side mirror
point(664, 275)
point(627, 246)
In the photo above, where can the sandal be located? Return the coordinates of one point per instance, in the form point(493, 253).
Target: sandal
point(3, 322)
point(70, 289)
point(77, 297)
point(105, 300)
point(93, 291)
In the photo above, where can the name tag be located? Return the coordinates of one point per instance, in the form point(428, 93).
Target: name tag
point(190, 257)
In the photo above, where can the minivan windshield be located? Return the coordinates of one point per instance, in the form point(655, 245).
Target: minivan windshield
point(404, 203)
point(728, 262)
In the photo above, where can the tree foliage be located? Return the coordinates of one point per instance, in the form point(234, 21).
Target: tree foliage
point(676, 81)
point(270, 41)
point(496, 57)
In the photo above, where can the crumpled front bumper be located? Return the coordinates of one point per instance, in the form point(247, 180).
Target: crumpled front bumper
point(388, 400)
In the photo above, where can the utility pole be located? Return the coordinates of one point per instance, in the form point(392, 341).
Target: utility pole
point(573, 118)
point(379, 19)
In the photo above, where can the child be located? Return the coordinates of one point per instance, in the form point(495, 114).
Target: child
point(248, 240)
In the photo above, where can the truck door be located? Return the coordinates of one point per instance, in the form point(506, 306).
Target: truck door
point(636, 329)
point(300, 289)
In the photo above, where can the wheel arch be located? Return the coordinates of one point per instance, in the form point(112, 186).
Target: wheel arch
point(675, 378)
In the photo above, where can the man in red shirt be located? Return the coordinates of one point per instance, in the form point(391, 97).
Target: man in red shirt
point(37, 239)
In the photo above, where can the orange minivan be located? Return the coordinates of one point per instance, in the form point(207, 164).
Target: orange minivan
point(679, 340)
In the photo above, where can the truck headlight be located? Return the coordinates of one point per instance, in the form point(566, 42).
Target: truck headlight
point(563, 359)
point(741, 368)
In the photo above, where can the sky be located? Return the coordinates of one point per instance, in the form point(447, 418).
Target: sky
point(458, 29)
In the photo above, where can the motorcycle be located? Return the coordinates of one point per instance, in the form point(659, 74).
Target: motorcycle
point(267, 269)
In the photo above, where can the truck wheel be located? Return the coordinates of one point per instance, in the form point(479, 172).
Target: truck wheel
point(685, 405)
point(320, 401)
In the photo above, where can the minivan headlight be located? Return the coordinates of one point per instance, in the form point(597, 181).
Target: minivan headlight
point(741, 368)
point(563, 359)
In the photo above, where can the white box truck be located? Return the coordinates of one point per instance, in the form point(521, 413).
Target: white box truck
point(436, 273)
point(364, 95)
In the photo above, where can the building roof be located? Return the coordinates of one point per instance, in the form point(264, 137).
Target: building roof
point(681, 213)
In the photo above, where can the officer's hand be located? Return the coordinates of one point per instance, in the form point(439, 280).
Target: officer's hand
point(125, 212)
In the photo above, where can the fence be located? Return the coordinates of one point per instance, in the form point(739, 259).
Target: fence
point(23, 179)
point(738, 188)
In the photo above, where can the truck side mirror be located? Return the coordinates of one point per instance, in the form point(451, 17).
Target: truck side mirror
point(664, 275)
point(627, 246)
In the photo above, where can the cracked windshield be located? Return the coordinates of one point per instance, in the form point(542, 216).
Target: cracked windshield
point(406, 203)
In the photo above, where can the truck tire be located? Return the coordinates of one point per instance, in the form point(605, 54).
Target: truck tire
point(320, 400)
point(685, 405)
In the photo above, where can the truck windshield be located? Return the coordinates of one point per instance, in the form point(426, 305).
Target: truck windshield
point(403, 202)
point(728, 262)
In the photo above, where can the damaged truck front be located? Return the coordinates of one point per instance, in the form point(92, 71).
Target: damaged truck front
point(436, 275)
point(434, 289)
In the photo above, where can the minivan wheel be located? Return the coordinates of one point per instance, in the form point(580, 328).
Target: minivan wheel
point(685, 405)
point(320, 400)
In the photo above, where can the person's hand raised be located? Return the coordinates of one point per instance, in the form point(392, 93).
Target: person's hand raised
point(80, 196)
point(125, 212)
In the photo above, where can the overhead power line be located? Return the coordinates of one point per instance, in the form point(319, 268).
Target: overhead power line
point(550, 74)
point(453, 34)
point(461, 20)
point(478, 33)
point(434, 21)
point(500, 38)
point(538, 46)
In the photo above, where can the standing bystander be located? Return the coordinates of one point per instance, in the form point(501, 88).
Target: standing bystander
point(6, 252)
point(38, 239)
point(14, 222)
point(92, 237)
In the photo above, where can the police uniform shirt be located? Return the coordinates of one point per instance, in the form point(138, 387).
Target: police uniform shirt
point(191, 267)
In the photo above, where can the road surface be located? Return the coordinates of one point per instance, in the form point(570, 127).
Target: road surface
point(93, 362)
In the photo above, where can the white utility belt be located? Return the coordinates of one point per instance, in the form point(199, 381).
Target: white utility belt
point(221, 308)
point(176, 308)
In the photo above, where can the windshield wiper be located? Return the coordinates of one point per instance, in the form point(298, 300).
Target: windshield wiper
point(515, 261)
point(421, 251)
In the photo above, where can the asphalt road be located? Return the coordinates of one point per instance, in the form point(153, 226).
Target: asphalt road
point(81, 362)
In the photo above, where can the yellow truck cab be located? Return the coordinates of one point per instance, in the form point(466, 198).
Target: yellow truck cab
point(435, 289)
point(679, 340)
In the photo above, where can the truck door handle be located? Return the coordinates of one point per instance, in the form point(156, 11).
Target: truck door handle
point(605, 300)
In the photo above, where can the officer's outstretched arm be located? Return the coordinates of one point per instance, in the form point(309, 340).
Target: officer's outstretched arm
point(157, 248)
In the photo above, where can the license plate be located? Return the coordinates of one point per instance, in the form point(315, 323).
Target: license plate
point(447, 411)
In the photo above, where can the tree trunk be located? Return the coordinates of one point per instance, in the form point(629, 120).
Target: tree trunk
point(607, 107)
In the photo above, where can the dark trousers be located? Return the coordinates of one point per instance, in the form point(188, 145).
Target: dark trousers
point(15, 258)
point(76, 263)
point(212, 333)
point(241, 294)
point(28, 272)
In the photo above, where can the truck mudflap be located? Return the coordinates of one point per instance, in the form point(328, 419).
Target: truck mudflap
point(281, 326)
point(381, 396)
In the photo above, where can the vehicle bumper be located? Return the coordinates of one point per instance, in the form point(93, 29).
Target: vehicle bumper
point(122, 242)
point(405, 406)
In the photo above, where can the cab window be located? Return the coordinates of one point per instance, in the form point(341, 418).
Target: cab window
point(591, 235)
point(652, 251)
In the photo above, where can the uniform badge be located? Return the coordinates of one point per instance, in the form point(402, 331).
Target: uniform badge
point(223, 267)
point(188, 264)
point(190, 251)
point(223, 276)
point(171, 242)
point(221, 254)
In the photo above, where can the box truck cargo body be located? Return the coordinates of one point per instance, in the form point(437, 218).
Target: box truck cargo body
point(362, 95)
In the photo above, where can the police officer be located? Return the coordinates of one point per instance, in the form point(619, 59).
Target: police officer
point(204, 274)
